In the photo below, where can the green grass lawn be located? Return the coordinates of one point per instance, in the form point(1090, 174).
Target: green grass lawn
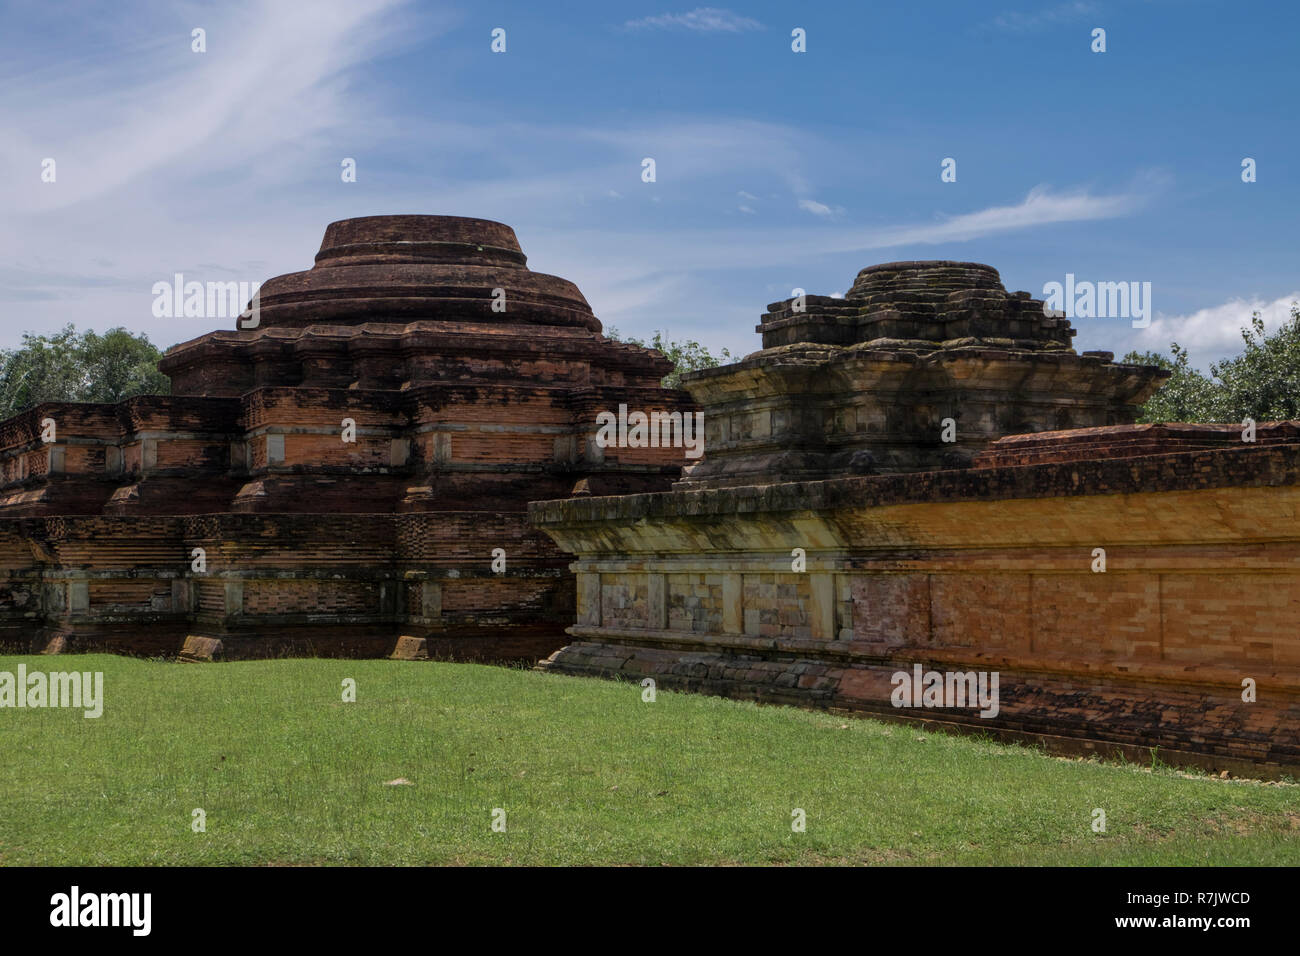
point(287, 773)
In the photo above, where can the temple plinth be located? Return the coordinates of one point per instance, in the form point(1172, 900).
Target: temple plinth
point(1128, 584)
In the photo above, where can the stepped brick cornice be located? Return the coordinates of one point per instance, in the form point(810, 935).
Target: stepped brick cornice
point(919, 366)
point(458, 413)
point(918, 305)
point(397, 301)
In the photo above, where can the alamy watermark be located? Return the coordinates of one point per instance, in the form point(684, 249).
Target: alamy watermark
point(75, 908)
point(179, 299)
point(949, 689)
point(1098, 300)
point(655, 430)
point(55, 689)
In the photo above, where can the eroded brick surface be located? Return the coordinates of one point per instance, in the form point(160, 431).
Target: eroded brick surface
point(313, 545)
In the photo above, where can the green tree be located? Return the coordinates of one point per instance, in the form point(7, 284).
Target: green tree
point(686, 356)
point(1262, 383)
point(1188, 395)
point(78, 367)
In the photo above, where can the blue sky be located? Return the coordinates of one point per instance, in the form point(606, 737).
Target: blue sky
point(775, 169)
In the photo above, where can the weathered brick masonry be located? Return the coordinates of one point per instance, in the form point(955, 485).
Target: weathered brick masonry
point(463, 412)
point(989, 567)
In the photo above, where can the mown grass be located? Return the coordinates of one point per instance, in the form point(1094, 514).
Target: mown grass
point(287, 773)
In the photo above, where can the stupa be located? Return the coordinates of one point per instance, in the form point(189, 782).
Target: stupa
point(918, 367)
point(344, 473)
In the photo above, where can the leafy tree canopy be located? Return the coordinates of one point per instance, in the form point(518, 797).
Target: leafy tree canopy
point(71, 366)
point(686, 356)
point(1262, 383)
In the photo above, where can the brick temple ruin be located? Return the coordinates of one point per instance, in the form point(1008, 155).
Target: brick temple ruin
point(1132, 586)
point(234, 519)
point(922, 477)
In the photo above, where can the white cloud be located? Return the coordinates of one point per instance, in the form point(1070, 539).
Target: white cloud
point(631, 253)
point(1212, 333)
point(599, 259)
point(281, 84)
point(172, 161)
point(615, 296)
point(815, 207)
point(236, 193)
point(1015, 22)
point(701, 20)
point(1041, 207)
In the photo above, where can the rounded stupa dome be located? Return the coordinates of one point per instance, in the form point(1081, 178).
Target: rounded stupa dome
point(410, 267)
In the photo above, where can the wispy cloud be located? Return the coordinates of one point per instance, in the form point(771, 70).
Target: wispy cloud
point(819, 208)
point(629, 254)
point(174, 169)
point(701, 20)
point(175, 161)
point(608, 261)
point(1017, 22)
point(199, 112)
point(1040, 208)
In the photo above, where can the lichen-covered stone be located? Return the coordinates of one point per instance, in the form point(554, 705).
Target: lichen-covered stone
point(882, 371)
